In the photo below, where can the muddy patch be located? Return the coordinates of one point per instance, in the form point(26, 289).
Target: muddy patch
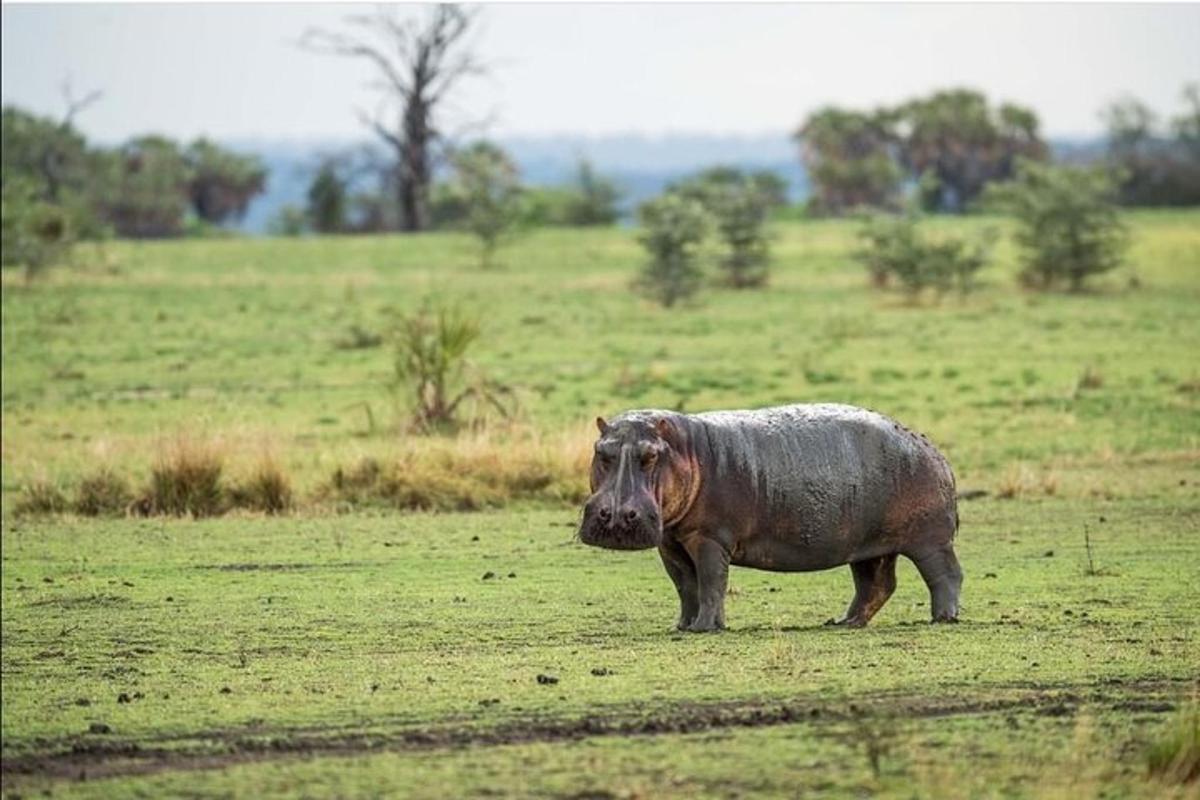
point(253, 567)
point(91, 756)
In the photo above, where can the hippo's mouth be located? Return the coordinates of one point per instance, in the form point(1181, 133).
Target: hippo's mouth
point(639, 537)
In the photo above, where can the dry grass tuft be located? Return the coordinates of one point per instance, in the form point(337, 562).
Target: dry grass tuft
point(41, 496)
point(103, 493)
point(186, 481)
point(1020, 481)
point(267, 488)
point(1175, 758)
point(468, 473)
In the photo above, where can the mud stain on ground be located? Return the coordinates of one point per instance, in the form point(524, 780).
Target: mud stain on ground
point(91, 756)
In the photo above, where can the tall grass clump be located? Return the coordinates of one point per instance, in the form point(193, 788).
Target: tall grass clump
point(186, 481)
point(41, 496)
point(431, 365)
point(103, 493)
point(1175, 757)
point(266, 488)
point(467, 473)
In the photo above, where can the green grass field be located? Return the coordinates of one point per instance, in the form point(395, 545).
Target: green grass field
point(361, 651)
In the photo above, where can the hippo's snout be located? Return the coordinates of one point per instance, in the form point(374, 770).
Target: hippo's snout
point(632, 526)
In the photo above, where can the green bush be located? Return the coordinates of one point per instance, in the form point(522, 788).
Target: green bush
point(892, 248)
point(739, 205)
point(1068, 226)
point(673, 229)
point(36, 234)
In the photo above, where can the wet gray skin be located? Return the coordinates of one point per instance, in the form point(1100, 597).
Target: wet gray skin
point(788, 489)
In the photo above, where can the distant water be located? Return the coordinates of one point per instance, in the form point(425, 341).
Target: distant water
point(641, 165)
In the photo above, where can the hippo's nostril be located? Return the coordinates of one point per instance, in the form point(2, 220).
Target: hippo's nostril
point(605, 514)
point(631, 516)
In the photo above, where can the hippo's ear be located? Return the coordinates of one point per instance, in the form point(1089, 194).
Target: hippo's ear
point(601, 425)
point(667, 430)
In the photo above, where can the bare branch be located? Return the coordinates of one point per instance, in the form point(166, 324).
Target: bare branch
point(76, 106)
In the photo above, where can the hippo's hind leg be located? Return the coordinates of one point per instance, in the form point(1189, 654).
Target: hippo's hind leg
point(683, 574)
point(939, 567)
point(874, 582)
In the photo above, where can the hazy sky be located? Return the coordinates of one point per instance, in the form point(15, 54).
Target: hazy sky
point(235, 70)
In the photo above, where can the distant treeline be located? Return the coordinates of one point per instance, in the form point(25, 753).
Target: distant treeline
point(942, 149)
point(946, 148)
point(150, 186)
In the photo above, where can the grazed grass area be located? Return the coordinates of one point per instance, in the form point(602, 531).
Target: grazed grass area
point(309, 631)
point(279, 655)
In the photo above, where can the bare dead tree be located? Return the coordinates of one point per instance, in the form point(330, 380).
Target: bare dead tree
point(418, 63)
point(76, 104)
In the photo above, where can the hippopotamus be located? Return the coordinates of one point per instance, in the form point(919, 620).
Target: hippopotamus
point(789, 489)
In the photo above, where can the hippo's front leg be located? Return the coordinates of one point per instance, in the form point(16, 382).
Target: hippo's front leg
point(683, 574)
point(712, 570)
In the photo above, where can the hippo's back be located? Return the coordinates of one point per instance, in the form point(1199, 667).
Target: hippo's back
point(839, 479)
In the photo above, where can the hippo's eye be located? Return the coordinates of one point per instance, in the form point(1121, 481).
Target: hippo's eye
point(649, 458)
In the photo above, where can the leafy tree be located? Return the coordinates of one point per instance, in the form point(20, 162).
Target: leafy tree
point(419, 63)
point(327, 199)
point(673, 228)
point(848, 155)
point(1068, 227)
point(593, 200)
point(488, 186)
point(145, 188)
point(1152, 169)
point(1186, 125)
point(957, 144)
point(53, 166)
point(222, 183)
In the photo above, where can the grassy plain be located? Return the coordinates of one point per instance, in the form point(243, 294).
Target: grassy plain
point(366, 653)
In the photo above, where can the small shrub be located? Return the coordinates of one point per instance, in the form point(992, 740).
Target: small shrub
point(1068, 226)
point(1091, 378)
point(358, 338)
point(103, 493)
point(266, 489)
point(41, 497)
point(1175, 758)
point(431, 362)
point(673, 230)
point(893, 249)
point(185, 481)
point(487, 183)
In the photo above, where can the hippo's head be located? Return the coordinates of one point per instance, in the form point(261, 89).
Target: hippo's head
point(643, 474)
